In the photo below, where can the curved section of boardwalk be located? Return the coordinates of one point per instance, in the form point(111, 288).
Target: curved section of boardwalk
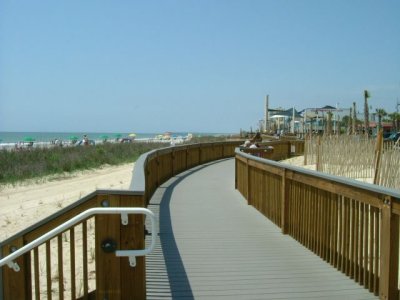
point(212, 245)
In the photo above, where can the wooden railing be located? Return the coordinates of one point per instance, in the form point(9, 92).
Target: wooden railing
point(353, 226)
point(155, 167)
point(277, 149)
point(76, 264)
point(73, 264)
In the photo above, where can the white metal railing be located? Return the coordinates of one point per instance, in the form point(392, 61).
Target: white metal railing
point(123, 211)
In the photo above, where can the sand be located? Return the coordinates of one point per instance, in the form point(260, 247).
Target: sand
point(29, 202)
point(299, 162)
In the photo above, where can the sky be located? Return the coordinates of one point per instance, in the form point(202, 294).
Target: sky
point(190, 65)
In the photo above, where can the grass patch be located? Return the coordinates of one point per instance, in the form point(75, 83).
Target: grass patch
point(16, 166)
point(59, 163)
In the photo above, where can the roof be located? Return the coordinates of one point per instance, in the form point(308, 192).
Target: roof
point(286, 113)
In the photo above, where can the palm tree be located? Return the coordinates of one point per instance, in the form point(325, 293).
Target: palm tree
point(381, 113)
point(354, 119)
point(395, 118)
point(346, 122)
point(366, 112)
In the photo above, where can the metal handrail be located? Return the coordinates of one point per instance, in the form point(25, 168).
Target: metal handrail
point(123, 211)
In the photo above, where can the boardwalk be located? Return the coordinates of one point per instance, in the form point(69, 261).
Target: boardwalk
point(214, 246)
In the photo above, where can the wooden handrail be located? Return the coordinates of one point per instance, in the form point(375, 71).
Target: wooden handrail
point(352, 225)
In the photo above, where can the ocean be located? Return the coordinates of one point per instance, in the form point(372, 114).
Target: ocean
point(15, 137)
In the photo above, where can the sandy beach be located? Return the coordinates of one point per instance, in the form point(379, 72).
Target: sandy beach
point(27, 203)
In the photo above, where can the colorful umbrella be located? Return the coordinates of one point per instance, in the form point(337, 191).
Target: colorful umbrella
point(29, 139)
point(132, 135)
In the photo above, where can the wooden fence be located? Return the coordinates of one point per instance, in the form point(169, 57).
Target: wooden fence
point(353, 226)
point(79, 263)
point(355, 157)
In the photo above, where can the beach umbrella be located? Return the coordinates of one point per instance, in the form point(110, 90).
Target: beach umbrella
point(132, 135)
point(29, 139)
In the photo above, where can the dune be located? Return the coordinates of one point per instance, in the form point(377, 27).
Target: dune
point(28, 202)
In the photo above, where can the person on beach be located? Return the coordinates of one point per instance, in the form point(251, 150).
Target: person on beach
point(257, 138)
point(85, 140)
point(246, 144)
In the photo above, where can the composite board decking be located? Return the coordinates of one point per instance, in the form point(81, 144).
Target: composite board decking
point(212, 245)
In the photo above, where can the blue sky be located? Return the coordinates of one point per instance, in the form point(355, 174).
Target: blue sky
point(202, 66)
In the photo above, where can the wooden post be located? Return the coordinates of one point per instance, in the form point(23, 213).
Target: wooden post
point(389, 265)
point(285, 203)
point(378, 155)
point(17, 285)
point(318, 164)
point(133, 280)
point(116, 279)
point(108, 281)
point(306, 140)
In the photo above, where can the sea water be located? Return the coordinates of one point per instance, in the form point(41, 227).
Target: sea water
point(15, 137)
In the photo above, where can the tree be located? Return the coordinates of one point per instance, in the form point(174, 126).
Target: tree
point(354, 119)
point(381, 113)
point(395, 118)
point(366, 112)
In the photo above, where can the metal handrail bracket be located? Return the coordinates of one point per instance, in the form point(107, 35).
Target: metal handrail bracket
point(123, 211)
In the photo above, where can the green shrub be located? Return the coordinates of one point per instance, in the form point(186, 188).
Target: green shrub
point(34, 163)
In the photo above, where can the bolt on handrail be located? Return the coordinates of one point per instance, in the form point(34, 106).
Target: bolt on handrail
point(123, 211)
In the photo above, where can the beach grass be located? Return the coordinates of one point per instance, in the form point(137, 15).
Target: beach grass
point(37, 163)
point(16, 166)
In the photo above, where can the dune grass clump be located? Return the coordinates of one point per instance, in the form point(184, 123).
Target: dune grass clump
point(34, 163)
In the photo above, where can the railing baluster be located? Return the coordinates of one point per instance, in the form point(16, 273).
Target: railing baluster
point(60, 268)
point(307, 200)
point(351, 242)
point(327, 227)
point(371, 250)
point(376, 251)
point(335, 223)
point(355, 240)
point(361, 253)
point(48, 270)
point(346, 232)
point(314, 220)
point(36, 272)
point(85, 260)
point(319, 225)
point(340, 234)
point(300, 194)
point(365, 246)
point(72, 261)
